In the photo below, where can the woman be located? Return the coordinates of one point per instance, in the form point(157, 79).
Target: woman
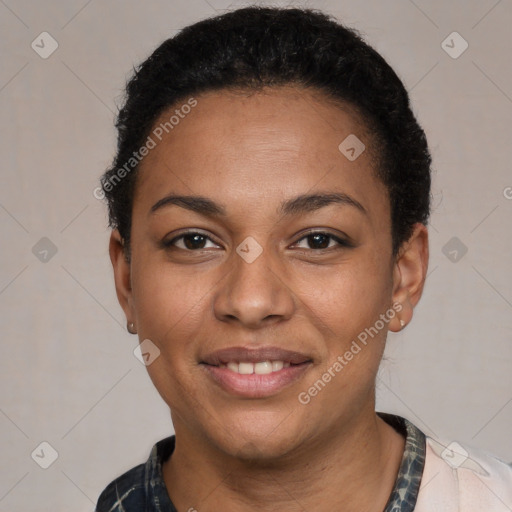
point(269, 201)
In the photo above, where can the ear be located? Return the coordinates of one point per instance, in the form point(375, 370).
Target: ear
point(122, 277)
point(409, 274)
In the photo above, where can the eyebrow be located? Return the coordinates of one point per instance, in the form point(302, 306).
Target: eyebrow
point(298, 205)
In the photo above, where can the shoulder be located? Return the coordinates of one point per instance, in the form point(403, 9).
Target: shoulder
point(458, 477)
point(139, 487)
point(125, 493)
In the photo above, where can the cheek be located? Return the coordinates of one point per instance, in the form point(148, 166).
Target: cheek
point(170, 313)
point(169, 305)
point(349, 297)
point(347, 313)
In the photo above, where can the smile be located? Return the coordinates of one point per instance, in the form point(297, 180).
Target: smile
point(255, 385)
point(259, 368)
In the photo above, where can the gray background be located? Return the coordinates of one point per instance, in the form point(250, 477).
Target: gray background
point(69, 376)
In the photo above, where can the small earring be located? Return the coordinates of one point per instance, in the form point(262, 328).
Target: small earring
point(402, 323)
point(130, 327)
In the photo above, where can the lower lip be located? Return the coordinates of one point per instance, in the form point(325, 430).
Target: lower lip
point(254, 385)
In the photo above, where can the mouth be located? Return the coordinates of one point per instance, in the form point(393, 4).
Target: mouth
point(255, 373)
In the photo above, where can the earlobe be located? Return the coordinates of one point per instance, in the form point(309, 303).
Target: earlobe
point(410, 271)
point(122, 276)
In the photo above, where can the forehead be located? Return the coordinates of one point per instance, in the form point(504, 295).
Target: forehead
point(258, 147)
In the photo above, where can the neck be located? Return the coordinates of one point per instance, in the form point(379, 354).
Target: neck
point(353, 469)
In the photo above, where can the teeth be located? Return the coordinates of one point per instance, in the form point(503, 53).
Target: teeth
point(260, 368)
point(277, 365)
point(233, 366)
point(245, 368)
point(263, 368)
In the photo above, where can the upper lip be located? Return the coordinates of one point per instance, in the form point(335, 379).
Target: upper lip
point(254, 355)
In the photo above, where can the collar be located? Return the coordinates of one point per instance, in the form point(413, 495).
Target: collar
point(402, 499)
point(405, 492)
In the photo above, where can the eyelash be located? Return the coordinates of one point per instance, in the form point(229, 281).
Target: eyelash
point(342, 243)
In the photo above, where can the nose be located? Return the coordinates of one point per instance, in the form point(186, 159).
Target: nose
point(254, 292)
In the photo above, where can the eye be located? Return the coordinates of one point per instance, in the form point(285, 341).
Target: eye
point(195, 241)
point(320, 240)
point(190, 241)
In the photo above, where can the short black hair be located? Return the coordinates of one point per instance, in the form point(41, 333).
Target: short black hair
point(255, 47)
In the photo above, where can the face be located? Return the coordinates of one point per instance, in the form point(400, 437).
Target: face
point(259, 284)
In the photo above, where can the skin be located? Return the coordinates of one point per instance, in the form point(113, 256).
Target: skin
point(250, 152)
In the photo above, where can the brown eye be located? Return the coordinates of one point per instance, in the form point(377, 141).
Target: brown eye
point(320, 241)
point(191, 241)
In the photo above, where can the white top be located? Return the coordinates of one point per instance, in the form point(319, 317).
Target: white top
point(460, 479)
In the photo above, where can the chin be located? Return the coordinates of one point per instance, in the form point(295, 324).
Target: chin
point(260, 449)
point(259, 438)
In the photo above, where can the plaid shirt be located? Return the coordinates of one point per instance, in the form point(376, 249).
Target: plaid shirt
point(142, 488)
